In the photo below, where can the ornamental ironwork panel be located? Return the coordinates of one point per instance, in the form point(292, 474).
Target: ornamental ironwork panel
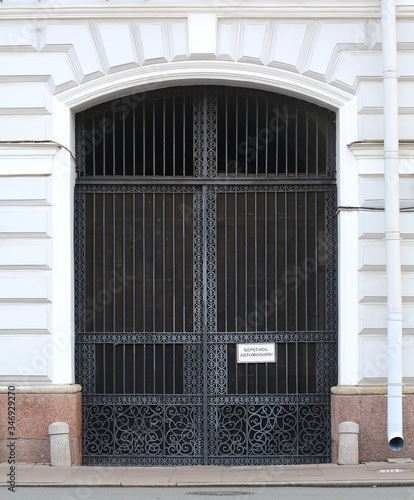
point(205, 218)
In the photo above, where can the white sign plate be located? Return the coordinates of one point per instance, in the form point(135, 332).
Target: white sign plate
point(256, 353)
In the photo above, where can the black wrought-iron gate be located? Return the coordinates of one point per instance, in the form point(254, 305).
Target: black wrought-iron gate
point(205, 219)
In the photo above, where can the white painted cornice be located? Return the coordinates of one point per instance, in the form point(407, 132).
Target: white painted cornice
point(202, 72)
point(103, 9)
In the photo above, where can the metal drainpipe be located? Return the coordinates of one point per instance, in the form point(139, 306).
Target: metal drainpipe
point(392, 224)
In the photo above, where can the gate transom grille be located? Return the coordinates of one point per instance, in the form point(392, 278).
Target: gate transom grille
point(205, 218)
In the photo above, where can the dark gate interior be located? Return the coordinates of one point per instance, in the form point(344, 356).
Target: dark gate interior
point(204, 219)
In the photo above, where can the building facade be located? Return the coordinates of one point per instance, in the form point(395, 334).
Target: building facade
point(184, 181)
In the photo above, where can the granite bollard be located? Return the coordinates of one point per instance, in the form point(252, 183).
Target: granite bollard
point(348, 443)
point(59, 444)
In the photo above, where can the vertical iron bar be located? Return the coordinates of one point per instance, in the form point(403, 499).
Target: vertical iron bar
point(173, 264)
point(93, 147)
point(173, 138)
point(113, 144)
point(183, 261)
point(184, 140)
point(236, 135)
point(255, 279)
point(123, 147)
point(276, 294)
point(114, 368)
point(286, 302)
point(144, 255)
point(163, 137)
point(154, 369)
point(237, 327)
point(327, 168)
point(143, 140)
point(94, 262)
point(266, 298)
point(246, 169)
point(277, 140)
point(255, 271)
point(267, 139)
point(163, 263)
point(123, 369)
point(296, 262)
point(306, 289)
point(113, 258)
point(245, 283)
point(316, 264)
point(123, 263)
point(134, 369)
point(317, 145)
point(297, 366)
point(173, 369)
point(225, 265)
point(154, 297)
point(307, 367)
point(134, 304)
point(154, 169)
point(287, 367)
point(104, 148)
point(114, 388)
point(307, 145)
point(163, 367)
point(133, 142)
point(236, 268)
point(296, 142)
point(245, 261)
point(103, 259)
point(286, 141)
point(257, 137)
point(226, 136)
point(306, 258)
point(144, 367)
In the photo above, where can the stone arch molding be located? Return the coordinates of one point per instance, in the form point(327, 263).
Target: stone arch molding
point(77, 58)
point(207, 72)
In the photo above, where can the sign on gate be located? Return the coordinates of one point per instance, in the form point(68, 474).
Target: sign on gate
point(256, 353)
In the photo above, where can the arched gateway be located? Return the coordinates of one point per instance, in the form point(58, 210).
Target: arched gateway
point(206, 278)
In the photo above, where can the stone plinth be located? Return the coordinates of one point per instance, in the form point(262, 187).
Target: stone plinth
point(37, 408)
point(367, 406)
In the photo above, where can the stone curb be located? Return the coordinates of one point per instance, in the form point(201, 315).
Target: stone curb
point(316, 484)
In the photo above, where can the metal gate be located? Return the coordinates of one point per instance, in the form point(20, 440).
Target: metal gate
point(205, 220)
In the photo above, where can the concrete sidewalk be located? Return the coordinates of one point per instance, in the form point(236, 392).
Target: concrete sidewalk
point(367, 474)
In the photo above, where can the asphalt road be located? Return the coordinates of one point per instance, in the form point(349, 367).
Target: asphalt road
point(239, 493)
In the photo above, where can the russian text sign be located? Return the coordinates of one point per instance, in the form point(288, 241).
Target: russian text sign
point(256, 353)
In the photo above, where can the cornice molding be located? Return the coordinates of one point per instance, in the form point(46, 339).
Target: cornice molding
point(100, 9)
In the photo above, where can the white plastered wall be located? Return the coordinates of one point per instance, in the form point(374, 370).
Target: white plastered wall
point(69, 58)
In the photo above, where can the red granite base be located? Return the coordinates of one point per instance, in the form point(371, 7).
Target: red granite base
point(370, 412)
point(34, 413)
